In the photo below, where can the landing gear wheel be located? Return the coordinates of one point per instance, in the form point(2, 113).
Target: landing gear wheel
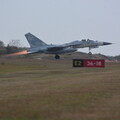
point(57, 57)
point(90, 53)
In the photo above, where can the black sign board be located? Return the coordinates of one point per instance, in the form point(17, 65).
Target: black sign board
point(78, 63)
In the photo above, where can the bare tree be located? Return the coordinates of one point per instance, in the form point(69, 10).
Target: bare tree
point(15, 43)
point(1, 44)
point(13, 46)
point(2, 48)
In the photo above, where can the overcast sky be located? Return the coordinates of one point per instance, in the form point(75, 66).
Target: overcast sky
point(62, 21)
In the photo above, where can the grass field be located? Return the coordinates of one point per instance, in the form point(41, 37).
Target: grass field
point(54, 90)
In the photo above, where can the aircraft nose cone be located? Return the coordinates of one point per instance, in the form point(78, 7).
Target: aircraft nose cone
point(106, 43)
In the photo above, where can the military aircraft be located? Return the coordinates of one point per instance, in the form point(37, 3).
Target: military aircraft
point(38, 46)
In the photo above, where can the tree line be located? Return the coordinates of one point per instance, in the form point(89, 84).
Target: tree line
point(11, 47)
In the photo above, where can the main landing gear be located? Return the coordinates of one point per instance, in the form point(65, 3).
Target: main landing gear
point(57, 57)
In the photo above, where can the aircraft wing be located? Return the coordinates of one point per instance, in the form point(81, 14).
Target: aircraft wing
point(56, 48)
point(61, 47)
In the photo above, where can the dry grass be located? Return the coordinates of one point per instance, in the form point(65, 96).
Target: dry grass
point(54, 90)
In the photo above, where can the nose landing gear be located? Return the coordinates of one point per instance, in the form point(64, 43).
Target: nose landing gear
point(90, 53)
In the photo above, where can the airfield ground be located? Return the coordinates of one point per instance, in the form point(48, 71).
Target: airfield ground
point(53, 90)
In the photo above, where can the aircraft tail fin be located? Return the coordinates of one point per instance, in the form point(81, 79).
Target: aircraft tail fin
point(34, 41)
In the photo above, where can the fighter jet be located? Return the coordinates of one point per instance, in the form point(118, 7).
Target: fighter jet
point(38, 46)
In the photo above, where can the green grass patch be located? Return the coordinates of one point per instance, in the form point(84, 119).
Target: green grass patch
point(54, 90)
